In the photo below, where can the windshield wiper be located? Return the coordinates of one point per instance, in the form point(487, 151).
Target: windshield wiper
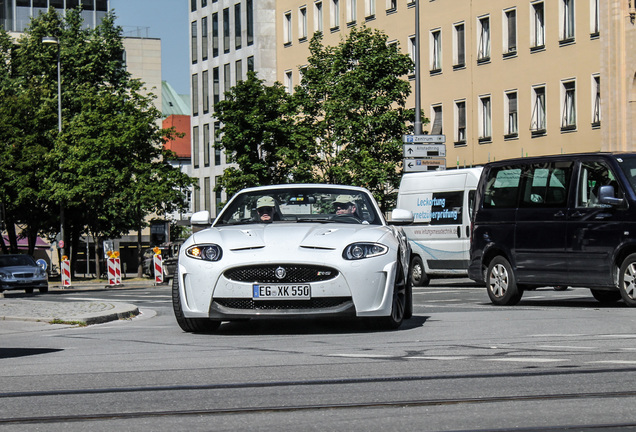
point(321, 220)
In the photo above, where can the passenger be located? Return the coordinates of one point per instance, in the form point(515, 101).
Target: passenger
point(266, 207)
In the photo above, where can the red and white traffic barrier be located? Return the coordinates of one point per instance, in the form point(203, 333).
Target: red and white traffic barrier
point(114, 271)
point(158, 269)
point(66, 273)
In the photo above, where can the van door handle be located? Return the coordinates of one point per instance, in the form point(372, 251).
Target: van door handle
point(577, 214)
point(559, 214)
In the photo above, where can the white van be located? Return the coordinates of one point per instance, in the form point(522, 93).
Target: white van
point(441, 203)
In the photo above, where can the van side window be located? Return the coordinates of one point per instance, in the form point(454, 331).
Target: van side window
point(545, 185)
point(592, 176)
point(501, 187)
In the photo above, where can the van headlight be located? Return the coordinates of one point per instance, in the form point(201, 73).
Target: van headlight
point(209, 252)
point(356, 251)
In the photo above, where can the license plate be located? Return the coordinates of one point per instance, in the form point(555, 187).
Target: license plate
point(281, 292)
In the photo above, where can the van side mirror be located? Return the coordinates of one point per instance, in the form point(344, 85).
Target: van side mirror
point(401, 217)
point(606, 195)
point(200, 218)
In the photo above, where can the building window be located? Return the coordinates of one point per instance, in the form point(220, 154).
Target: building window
point(204, 38)
point(217, 145)
point(510, 33)
point(216, 96)
point(352, 13)
point(436, 51)
point(194, 42)
point(195, 95)
point(335, 15)
point(538, 123)
point(215, 34)
point(206, 145)
point(289, 83)
point(205, 90)
point(250, 64)
point(568, 107)
point(237, 26)
point(195, 147)
point(196, 205)
point(412, 54)
point(318, 26)
point(249, 6)
point(537, 27)
point(302, 23)
point(596, 101)
point(227, 78)
point(459, 51)
point(594, 19)
point(483, 49)
point(206, 194)
point(226, 30)
point(391, 6)
point(217, 196)
point(567, 21)
point(369, 9)
point(287, 28)
point(512, 121)
point(485, 119)
point(193, 5)
point(238, 71)
point(460, 123)
point(437, 129)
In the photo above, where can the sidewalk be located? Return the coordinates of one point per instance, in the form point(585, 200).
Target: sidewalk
point(72, 312)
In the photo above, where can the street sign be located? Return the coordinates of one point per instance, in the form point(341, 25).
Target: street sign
point(421, 164)
point(424, 150)
point(424, 139)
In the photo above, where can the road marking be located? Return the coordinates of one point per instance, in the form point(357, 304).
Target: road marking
point(362, 355)
point(613, 362)
point(443, 358)
point(528, 359)
point(566, 347)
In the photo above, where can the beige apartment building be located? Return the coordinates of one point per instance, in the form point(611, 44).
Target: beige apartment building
point(499, 78)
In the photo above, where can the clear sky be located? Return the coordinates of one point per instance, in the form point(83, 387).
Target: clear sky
point(168, 21)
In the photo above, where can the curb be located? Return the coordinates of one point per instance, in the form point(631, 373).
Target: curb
point(38, 311)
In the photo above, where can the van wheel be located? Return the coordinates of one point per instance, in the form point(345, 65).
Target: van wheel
point(418, 276)
point(606, 297)
point(501, 283)
point(627, 281)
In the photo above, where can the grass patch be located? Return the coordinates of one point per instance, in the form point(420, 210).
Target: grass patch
point(75, 323)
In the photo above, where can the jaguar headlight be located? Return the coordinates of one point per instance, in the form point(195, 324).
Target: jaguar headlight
point(356, 251)
point(209, 252)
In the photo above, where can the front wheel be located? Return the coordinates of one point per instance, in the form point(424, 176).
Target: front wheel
point(501, 283)
point(417, 273)
point(398, 306)
point(190, 325)
point(627, 280)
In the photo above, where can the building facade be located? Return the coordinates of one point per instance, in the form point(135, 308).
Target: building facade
point(499, 78)
point(228, 38)
point(15, 14)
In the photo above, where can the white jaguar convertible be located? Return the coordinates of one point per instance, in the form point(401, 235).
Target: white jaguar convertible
point(294, 251)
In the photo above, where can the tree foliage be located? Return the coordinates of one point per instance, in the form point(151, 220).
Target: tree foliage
point(107, 168)
point(343, 124)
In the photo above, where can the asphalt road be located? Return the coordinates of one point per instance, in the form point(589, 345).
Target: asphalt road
point(558, 360)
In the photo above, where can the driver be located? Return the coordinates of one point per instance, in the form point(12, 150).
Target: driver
point(344, 205)
point(265, 208)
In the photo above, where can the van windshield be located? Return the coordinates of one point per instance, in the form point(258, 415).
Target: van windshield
point(628, 165)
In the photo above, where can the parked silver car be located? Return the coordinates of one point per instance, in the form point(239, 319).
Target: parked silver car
point(22, 272)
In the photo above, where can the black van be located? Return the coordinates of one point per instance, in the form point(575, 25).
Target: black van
point(559, 221)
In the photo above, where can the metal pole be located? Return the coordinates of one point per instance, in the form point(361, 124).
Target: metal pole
point(59, 129)
point(418, 109)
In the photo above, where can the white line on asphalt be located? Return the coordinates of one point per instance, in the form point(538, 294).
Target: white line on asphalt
point(613, 362)
point(566, 347)
point(443, 358)
point(527, 359)
point(361, 355)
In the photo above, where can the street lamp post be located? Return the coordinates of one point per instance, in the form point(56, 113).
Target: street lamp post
point(54, 40)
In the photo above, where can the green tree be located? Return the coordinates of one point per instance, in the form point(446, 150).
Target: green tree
point(353, 96)
point(261, 135)
point(107, 168)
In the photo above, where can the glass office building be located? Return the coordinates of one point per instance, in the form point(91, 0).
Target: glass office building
point(16, 14)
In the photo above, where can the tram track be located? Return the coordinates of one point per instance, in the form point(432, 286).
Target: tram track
point(32, 397)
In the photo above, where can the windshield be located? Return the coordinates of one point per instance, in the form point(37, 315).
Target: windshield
point(302, 204)
point(628, 165)
point(16, 260)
